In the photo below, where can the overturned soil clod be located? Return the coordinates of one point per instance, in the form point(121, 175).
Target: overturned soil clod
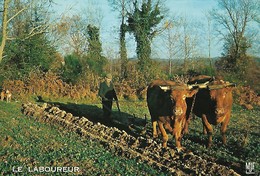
point(123, 144)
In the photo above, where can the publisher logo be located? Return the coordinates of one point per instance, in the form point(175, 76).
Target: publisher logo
point(250, 167)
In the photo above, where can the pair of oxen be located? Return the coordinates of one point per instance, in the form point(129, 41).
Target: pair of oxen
point(171, 106)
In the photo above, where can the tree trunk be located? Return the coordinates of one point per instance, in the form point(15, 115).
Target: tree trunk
point(123, 52)
point(143, 51)
point(4, 29)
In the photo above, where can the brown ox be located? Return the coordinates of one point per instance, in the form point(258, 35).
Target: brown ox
point(167, 107)
point(213, 103)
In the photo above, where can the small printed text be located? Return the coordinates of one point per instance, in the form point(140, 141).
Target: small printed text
point(43, 169)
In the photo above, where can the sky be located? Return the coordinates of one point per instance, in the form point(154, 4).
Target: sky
point(194, 9)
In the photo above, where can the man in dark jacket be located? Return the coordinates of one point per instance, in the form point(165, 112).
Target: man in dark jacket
point(107, 93)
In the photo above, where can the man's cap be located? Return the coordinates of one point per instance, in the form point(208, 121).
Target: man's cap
point(109, 76)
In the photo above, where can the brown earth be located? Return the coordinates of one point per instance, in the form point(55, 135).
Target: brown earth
point(247, 97)
point(141, 147)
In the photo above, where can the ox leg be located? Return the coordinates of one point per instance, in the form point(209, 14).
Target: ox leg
point(155, 134)
point(164, 134)
point(224, 128)
point(204, 128)
point(209, 129)
point(178, 126)
point(186, 126)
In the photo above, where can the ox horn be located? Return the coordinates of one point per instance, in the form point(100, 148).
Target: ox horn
point(201, 86)
point(204, 85)
point(165, 88)
point(192, 86)
point(175, 87)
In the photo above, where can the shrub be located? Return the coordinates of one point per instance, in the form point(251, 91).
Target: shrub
point(72, 68)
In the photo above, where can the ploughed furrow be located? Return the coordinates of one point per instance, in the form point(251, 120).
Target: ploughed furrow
point(123, 144)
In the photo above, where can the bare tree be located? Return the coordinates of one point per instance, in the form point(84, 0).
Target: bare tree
point(93, 14)
point(70, 31)
point(70, 34)
point(189, 40)
point(209, 36)
point(4, 28)
point(171, 39)
point(8, 17)
point(209, 39)
point(232, 19)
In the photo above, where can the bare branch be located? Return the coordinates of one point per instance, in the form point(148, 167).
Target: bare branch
point(15, 15)
point(33, 33)
point(11, 38)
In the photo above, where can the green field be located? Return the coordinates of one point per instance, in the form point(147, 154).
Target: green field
point(27, 143)
point(243, 138)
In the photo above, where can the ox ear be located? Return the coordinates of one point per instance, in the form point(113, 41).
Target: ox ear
point(190, 93)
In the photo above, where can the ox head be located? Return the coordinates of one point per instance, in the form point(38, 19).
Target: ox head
point(221, 94)
point(179, 93)
point(218, 91)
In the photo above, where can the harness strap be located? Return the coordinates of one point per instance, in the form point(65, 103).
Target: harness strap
point(192, 106)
